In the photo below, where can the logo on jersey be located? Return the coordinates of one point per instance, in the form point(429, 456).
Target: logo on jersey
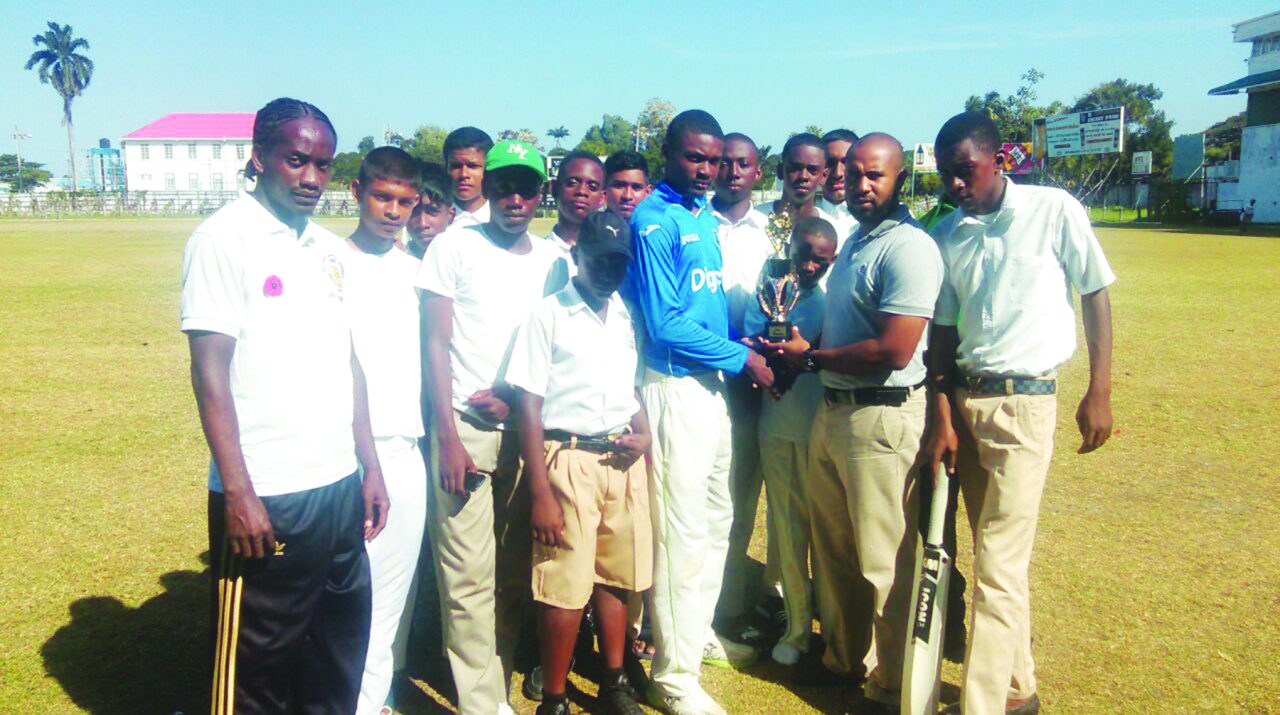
point(700, 278)
point(689, 238)
point(649, 229)
point(333, 268)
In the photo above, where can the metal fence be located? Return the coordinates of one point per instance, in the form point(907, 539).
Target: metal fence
point(145, 203)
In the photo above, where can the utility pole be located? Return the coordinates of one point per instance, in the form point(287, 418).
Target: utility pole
point(18, 136)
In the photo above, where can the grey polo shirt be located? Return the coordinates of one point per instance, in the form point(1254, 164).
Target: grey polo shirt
point(892, 268)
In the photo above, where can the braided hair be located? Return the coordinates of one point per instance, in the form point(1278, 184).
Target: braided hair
point(275, 114)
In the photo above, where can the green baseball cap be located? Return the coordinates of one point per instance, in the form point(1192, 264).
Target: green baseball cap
point(515, 153)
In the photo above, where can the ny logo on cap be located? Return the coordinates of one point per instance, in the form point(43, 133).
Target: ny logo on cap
point(517, 149)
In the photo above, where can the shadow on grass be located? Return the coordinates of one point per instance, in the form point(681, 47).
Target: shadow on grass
point(111, 658)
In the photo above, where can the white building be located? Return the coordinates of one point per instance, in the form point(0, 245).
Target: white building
point(1260, 145)
point(189, 153)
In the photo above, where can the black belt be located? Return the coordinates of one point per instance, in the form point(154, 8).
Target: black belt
point(1009, 385)
point(600, 444)
point(884, 396)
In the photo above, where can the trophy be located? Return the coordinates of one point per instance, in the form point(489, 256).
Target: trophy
point(778, 292)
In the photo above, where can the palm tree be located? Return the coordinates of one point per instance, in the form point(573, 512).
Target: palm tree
point(558, 133)
point(68, 71)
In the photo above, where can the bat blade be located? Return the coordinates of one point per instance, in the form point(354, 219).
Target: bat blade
point(922, 670)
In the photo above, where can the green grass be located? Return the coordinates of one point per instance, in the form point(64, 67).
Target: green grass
point(1155, 587)
point(1112, 214)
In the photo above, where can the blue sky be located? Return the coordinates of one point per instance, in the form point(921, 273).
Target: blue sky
point(900, 67)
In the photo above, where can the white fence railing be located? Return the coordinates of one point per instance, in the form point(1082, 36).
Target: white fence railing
point(146, 203)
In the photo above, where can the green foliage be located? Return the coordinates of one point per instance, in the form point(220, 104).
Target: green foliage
point(523, 134)
point(647, 136)
point(559, 133)
point(814, 129)
point(1014, 113)
point(1222, 140)
point(60, 65)
point(33, 172)
point(427, 143)
point(768, 168)
point(346, 167)
point(365, 146)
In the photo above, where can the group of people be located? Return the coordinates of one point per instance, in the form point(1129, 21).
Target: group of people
point(587, 419)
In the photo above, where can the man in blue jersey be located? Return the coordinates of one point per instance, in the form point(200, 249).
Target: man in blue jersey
point(675, 283)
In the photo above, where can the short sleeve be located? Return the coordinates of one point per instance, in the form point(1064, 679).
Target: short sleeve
point(947, 311)
point(911, 271)
point(1080, 253)
point(441, 267)
point(530, 365)
point(212, 286)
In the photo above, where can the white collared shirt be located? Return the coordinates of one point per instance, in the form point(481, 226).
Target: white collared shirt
point(280, 295)
point(792, 416)
point(744, 247)
point(843, 221)
point(385, 330)
point(893, 268)
point(564, 268)
point(583, 367)
point(493, 290)
point(1010, 276)
point(463, 217)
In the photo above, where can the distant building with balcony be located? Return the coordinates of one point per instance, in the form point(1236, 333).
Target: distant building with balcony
point(189, 153)
point(1260, 144)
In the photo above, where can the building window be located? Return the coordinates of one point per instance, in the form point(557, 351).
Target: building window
point(191, 151)
point(217, 182)
point(170, 182)
point(146, 178)
point(240, 152)
point(168, 151)
point(193, 182)
point(217, 151)
point(146, 151)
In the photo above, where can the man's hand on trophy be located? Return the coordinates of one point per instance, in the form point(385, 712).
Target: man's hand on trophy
point(790, 351)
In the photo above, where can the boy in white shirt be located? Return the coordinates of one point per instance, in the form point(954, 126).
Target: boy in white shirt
point(480, 283)
point(384, 331)
point(583, 436)
point(784, 433)
point(465, 150)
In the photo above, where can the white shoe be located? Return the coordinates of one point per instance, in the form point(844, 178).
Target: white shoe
point(697, 703)
point(786, 654)
point(724, 653)
point(505, 709)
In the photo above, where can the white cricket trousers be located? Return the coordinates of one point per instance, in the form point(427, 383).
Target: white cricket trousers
point(393, 562)
point(692, 514)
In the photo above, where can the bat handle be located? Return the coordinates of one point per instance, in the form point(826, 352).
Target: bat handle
point(938, 507)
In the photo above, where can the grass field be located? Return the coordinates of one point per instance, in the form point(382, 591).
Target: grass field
point(1156, 586)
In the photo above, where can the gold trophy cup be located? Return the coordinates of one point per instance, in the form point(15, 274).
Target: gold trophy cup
point(778, 292)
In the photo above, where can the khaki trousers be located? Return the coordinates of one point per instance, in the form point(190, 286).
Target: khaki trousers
point(784, 464)
point(483, 543)
point(1002, 481)
point(863, 503)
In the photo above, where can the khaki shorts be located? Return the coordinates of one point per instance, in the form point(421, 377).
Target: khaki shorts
point(607, 537)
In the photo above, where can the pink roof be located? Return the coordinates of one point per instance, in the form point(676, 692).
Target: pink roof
point(227, 125)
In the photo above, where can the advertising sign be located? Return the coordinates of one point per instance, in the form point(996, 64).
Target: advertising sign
point(1097, 131)
point(923, 161)
point(1188, 155)
point(1017, 158)
point(1142, 163)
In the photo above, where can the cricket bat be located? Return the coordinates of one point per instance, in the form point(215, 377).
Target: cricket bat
point(922, 671)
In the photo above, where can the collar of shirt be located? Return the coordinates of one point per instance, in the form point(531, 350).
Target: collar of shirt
point(668, 194)
point(889, 223)
point(558, 242)
point(257, 213)
point(830, 207)
point(616, 309)
point(753, 217)
point(1003, 215)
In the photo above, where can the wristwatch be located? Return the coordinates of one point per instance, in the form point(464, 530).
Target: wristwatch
point(809, 364)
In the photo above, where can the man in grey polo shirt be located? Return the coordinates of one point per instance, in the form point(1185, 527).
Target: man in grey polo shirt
point(866, 437)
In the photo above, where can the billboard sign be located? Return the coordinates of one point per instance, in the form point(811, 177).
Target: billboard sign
point(1188, 155)
point(923, 161)
point(1097, 131)
point(1017, 158)
point(1141, 163)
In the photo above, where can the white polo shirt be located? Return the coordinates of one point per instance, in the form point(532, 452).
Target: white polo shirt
point(792, 416)
point(563, 269)
point(280, 295)
point(744, 247)
point(893, 268)
point(493, 290)
point(1010, 276)
point(463, 218)
point(385, 330)
point(583, 367)
point(843, 221)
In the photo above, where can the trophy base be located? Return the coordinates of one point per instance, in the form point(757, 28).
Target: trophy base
point(777, 331)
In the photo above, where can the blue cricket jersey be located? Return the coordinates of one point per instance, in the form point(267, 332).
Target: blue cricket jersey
point(674, 282)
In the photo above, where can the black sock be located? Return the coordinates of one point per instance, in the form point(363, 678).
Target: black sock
point(555, 699)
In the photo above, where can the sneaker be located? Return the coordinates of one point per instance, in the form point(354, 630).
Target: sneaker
point(559, 707)
point(618, 698)
point(786, 654)
point(697, 704)
point(724, 653)
point(531, 688)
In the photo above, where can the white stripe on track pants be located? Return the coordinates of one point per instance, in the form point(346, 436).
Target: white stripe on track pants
point(692, 514)
point(393, 562)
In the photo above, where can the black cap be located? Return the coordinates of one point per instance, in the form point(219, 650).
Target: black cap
point(604, 232)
